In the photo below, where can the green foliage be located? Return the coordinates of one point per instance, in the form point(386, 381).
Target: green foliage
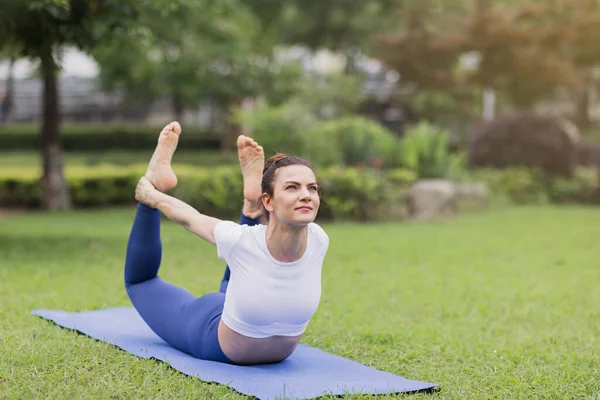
point(37, 28)
point(218, 50)
point(95, 138)
point(455, 107)
point(277, 128)
point(352, 141)
point(365, 195)
point(522, 185)
point(339, 25)
point(333, 95)
point(348, 140)
point(583, 187)
point(347, 193)
point(425, 149)
point(518, 185)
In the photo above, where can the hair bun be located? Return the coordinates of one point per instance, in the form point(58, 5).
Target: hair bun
point(277, 157)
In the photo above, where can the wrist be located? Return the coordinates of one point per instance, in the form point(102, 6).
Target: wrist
point(154, 199)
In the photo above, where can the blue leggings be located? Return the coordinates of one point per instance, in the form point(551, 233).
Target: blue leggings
point(186, 322)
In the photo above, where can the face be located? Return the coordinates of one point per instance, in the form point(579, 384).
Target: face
point(295, 196)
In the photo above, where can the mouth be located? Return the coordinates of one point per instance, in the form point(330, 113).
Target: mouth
point(305, 208)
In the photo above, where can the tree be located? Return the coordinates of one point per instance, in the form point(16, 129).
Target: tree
point(40, 30)
point(518, 53)
point(159, 60)
point(222, 51)
point(342, 26)
point(6, 103)
point(426, 49)
point(422, 53)
point(578, 22)
point(526, 50)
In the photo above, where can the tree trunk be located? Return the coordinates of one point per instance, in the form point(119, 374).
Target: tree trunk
point(233, 130)
point(56, 194)
point(583, 109)
point(177, 104)
point(489, 103)
point(7, 107)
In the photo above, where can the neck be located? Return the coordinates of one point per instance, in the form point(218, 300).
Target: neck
point(286, 243)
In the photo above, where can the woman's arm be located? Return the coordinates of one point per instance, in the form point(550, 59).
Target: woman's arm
point(177, 211)
point(188, 217)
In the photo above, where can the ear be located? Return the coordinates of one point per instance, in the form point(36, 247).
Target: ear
point(267, 202)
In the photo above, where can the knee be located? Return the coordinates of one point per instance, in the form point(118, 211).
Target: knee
point(130, 290)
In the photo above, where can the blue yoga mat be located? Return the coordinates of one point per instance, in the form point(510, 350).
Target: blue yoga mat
point(308, 373)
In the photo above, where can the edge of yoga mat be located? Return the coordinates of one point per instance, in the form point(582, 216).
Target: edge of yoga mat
point(371, 381)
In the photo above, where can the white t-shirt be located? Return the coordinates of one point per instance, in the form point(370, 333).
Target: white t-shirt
point(266, 297)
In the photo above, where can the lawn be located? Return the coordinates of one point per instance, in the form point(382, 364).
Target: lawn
point(497, 305)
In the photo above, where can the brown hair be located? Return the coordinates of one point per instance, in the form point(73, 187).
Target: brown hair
point(279, 160)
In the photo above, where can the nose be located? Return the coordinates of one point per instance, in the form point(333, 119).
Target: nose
point(305, 194)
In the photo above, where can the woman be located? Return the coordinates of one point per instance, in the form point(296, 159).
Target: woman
point(272, 282)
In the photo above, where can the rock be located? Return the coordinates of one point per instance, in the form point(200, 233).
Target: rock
point(434, 198)
point(476, 193)
point(431, 198)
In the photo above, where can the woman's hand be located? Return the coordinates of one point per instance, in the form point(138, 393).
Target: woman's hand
point(146, 193)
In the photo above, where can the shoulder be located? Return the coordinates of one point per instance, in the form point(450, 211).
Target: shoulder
point(226, 228)
point(233, 230)
point(319, 233)
point(228, 233)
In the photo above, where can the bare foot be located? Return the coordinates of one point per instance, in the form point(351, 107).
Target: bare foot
point(159, 171)
point(146, 193)
point(252, 162)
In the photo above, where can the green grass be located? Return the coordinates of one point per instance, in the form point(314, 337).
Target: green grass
point(499, 305)
point(27, 159)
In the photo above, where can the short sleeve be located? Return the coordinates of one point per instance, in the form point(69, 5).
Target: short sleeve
point(226, 234)
point(322, 237)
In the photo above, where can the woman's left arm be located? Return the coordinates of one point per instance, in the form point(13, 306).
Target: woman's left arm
point(177, 211)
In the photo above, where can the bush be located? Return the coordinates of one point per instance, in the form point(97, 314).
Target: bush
point(522, 185)
point(347, 194)
point(518, 185)
point(352, 141)
point(277, 128)
point(582, 188)
point(588, 153)
point(425, 149)
point(526, 139)
point(102, 137)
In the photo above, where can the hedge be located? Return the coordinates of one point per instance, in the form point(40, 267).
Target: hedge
point(347, 194)
point(82, 137)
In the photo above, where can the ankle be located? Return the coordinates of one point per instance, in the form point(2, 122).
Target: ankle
point(251, 210)
point(145, 207)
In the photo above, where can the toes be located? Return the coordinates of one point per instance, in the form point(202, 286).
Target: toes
point(175, 127)
point(241, 142)
point(172, 127)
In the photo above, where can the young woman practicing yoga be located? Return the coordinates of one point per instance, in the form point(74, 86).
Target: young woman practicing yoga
point(272, 282)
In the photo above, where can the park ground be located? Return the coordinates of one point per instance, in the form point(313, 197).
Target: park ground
point(502, 304)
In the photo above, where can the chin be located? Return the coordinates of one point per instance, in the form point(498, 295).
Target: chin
point(301, 220)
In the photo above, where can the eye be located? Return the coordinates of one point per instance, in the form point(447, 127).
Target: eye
point(290, 187)
point(314, 188)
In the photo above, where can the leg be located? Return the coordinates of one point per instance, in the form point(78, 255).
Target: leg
point(244, 220)
point(185, 322)
point(252, 162)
